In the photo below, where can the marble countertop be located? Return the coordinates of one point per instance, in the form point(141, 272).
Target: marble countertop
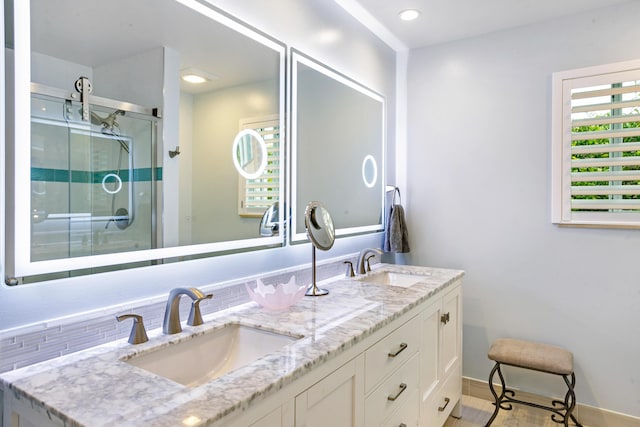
point(95, 387)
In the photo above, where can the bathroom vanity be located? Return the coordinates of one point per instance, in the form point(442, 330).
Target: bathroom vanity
point(379, 350)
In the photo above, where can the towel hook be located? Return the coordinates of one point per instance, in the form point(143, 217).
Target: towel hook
point(396, 191)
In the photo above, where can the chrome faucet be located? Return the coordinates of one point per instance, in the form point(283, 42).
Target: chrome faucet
point(138, 334)
point(362, 259)
point(171, 324)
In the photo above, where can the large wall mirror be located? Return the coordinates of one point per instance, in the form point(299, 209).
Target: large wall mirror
point(337, 132)
point(126, 113)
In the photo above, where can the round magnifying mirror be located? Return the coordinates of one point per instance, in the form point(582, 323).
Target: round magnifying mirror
point(322, 235)
point(249, 153)
point(319, 226)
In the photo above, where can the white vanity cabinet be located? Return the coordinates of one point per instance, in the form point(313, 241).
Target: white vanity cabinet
point(406, 373)
point(441, 358)
point(409, 374)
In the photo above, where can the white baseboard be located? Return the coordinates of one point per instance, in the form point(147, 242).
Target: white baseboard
point(587, 415)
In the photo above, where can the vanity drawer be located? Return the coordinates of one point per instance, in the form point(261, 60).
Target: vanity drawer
point(396, 391)
point(408, 414)
point(390, 352)
point(436, 409)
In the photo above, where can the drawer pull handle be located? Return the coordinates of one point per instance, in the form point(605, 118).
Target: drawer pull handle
point(403, 346)
point(446, 402)
point(445, 318)
point(403, 387)
point(402, 425)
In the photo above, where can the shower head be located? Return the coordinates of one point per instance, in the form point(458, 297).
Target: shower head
point(108, 122)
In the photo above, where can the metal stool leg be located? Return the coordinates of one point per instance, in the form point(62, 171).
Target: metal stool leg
point(563, 410)
point(570, 400)
point(498, 399)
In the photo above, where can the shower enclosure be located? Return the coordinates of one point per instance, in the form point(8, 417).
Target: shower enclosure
point(93, 175)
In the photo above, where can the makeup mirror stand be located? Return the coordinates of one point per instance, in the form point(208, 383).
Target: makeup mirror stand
point(313, 290)
point(321, 233)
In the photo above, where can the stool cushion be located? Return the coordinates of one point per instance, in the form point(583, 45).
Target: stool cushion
point(530, 355)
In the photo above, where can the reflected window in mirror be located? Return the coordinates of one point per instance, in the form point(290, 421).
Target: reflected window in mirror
point(338, 147)
point(257, 195)
point(104, 103)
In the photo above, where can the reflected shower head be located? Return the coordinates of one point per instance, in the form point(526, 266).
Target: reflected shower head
point(108, 124)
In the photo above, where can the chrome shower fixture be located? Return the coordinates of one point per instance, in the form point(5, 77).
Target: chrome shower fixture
point(109, 126)
point(108, 122)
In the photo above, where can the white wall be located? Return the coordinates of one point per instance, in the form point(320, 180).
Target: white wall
point(479, 199)
point(185, 194)
point(356, 52)
point(216, 121)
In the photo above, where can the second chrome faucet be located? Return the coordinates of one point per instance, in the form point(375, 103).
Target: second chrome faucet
point(171, 324)
point(363, 260)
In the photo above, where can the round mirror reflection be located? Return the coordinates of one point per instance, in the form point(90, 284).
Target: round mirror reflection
point(319, 226)
point(249, 153)
point(369, 171)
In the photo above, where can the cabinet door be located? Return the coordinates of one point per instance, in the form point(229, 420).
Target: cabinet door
point(429, 367)
point(279, 417)
point(334, 401)
point(450, 334)
point(430, 333)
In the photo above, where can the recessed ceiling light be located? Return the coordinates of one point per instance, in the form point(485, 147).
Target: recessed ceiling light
point(409, 14)
point(195, 76)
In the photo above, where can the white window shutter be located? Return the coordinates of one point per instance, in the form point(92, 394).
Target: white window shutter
point(596, 146)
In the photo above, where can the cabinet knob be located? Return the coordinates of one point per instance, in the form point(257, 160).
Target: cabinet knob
point(445, 318)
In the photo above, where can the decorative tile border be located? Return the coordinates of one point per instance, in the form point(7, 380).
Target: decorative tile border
point(95, 177)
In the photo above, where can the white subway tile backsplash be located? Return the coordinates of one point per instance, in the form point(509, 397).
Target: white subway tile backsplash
point(57, 337)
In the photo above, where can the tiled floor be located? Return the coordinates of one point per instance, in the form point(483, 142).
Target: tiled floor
point(476, 412)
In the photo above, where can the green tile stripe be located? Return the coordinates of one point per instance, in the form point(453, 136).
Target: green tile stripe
point(86, 177)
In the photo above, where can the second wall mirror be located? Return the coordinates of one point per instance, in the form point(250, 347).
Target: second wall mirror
point(338, 145)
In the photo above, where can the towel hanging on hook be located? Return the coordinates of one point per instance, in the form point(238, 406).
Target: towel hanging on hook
point(396, 236)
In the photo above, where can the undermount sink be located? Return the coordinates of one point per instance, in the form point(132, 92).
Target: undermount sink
point(205, 357)
point(393, 278)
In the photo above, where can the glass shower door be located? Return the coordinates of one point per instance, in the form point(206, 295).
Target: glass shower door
point(92, 180)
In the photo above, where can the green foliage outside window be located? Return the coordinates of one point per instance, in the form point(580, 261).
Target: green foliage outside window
point(595, 141)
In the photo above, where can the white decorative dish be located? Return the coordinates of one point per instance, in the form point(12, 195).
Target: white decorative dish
point(278, 297)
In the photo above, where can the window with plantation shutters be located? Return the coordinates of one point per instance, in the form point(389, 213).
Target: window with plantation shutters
point(255, 196)
point(596, 146)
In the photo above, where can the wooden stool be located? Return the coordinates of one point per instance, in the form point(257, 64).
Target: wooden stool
point(538, 357)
